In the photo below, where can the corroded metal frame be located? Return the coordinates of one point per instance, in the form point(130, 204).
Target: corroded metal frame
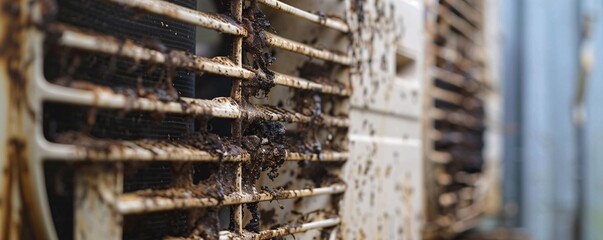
point(100, 201)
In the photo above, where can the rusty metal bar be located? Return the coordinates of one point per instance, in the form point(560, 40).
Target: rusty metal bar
point(470, 13)
point(300, 83)
point(152, 200)
point(439, 157)
point(207, 20)
point(330, 22)
point(464, 28)
point(97, 96)
point(296, 47)
point(448, 76)
point(458, 59)
point(447, 96)
point(456, 117)
point(284, 231)
point(271, 113)
point(155, 150)
point(448, 199)
point(325, 156)
point(455, 79)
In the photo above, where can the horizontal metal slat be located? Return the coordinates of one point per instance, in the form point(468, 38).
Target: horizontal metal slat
point(466, 29)
point(466, 10)
point(283, 231)
point(216, 22)
point(103, 97)
point(300, 83)
point(449, 77)
point(439, 157)
point(330, 22)
point(456, 117)
point(272, 113)
point(98, 96)
point(149, 201)
point(447, 96)
point(458, 61)
point(155, 150)
point(269, 234)
point(455, 57)
point(293, 46)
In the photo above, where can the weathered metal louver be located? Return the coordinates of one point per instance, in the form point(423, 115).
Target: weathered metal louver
point(100, 201)
point(455, 115)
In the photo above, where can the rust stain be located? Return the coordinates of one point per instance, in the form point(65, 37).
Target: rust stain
point(13, 66)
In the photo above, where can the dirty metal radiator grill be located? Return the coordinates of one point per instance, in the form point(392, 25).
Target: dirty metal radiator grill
point(125, 133)
point(455, 110)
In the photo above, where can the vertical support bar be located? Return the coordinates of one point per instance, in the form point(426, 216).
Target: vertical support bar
point(236, 94)
point(97, 186)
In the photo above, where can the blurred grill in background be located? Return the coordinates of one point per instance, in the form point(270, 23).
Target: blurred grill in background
point(456, 117)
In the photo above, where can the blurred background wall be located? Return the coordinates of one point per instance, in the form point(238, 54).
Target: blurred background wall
point(542, 42)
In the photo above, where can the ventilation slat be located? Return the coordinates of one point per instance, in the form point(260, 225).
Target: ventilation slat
point(330, 22)
point(449, 77)
point(102, 97)
point(455, 57)
point(154, 150)
point(300, 83)
point(447, 96)
point(284, 231)
point(439, 157)
point(456, 117)
point(466, 29)
point(149, 201)
point(271, 113)
point(207, 20)
point(296, 47)
point(470, 13)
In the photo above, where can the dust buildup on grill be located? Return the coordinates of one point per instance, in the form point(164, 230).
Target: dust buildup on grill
point(256, 23)
point(314, 104)
point(268, 217)
point(265, 142)
point(207, 224)
point(320, 174)
point(254, 222)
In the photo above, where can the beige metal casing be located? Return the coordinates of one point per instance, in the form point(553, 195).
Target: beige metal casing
point(384, 199)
